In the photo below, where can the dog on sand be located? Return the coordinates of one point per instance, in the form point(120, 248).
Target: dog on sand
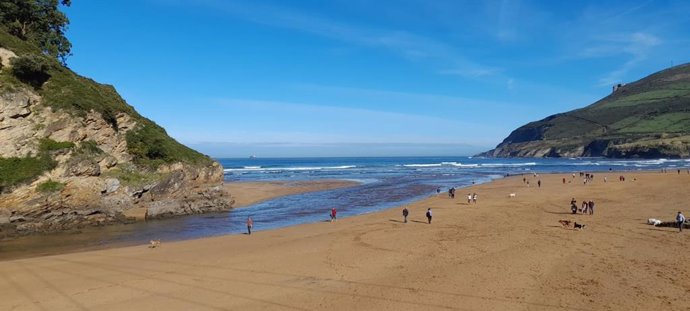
point(565, 223)
point(578, 226)
point(512, 195)
point(154, 243)
point(653, 221)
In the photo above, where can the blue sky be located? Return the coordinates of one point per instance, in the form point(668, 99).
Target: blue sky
point(367, 78)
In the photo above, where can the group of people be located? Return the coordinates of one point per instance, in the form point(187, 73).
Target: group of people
point(406, 212)
point(587, 207)
point(472, 198)
point(451, 193)
point(665, 170)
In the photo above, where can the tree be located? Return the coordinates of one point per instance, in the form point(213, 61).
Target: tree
point(31, 69)
point(40, 22)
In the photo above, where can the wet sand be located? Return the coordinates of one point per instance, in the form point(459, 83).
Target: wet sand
point(120, 235)
point(248, 193)
point(502, 253)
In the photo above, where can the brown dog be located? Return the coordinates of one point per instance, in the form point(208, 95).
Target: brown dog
point(154, 243)
point(565, 223)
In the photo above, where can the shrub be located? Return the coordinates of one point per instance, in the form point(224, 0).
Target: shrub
point(31, 69)
point(14, 171)
point(89, 147)
point(47, 144)
point(50, 186)
point(151, 147)
point(130, 175)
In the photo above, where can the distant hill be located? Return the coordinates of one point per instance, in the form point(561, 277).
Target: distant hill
point(649, 118)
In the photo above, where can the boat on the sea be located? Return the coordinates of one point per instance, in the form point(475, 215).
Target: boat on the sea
point(252, 156)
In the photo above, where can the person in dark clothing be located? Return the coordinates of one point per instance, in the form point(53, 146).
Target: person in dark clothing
point(428, 215)
point(405, 213)
point(680, 219)
point(591, 207)
point(250, 224)
point(573, 206)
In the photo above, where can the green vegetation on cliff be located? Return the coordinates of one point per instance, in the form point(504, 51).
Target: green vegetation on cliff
point(14, 171)
point(39, 22)
point(50, 186)
point(646, 118)
point(38, 66)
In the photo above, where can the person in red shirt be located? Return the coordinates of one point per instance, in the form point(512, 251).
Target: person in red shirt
point(333, 214)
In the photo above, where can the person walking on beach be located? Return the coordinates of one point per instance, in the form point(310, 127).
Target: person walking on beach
point(680, 218)
point(591, 207)
point(573, 206)
point(428, 215)
point(474, 198)
point(405, 213)
point(469, 198)
point(333, 214)
point(539, 183)
point(250, 224)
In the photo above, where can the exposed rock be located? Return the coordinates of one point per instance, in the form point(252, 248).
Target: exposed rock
point(108, 162)
point(17, 123)
point(5, 216)
point(83, 167)
point(6, 57)
point(111, 185)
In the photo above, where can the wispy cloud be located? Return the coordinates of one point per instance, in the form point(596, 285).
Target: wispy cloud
point(626, 36)
point(403, 43)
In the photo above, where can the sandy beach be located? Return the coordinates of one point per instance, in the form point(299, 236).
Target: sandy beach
point(503, 253)
point(248, 193)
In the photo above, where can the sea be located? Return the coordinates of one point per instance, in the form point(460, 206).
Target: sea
point(382, 183)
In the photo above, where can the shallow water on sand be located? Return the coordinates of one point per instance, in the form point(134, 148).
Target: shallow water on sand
point(384, 183)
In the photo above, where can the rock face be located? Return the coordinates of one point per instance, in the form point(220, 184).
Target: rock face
point(94, 179)
point(649, 118)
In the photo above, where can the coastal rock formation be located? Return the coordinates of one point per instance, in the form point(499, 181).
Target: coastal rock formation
point(74, 154)
point(649, 118)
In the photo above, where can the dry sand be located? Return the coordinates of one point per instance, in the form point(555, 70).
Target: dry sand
point(248, 193)
point(500, 254)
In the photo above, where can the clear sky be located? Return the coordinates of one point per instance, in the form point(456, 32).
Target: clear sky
point(368, 78)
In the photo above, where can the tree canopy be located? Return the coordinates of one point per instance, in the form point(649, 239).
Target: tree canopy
point(38, 21)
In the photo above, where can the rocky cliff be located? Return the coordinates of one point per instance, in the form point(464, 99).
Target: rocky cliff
point(649, 118)
point(74, 154)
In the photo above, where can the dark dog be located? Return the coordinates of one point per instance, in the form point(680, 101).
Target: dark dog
point(578, 226)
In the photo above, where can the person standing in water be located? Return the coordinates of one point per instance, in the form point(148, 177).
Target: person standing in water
point(428, 215)
point(333, 214)
point(405, 213)
point(250, 224)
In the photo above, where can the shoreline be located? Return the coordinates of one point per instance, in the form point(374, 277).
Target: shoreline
point(87, 239)
point(248, 193)
point(503, 252)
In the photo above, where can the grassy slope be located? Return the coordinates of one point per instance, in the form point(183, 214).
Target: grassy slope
point(69, 92)
point(657, 104)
